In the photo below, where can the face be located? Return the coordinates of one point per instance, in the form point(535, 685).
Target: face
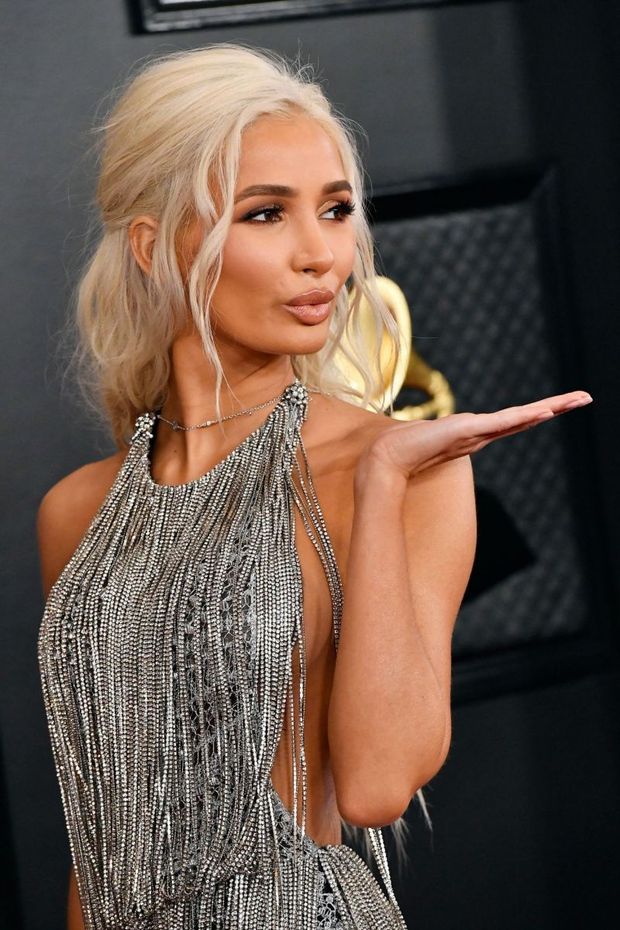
point(282, 245)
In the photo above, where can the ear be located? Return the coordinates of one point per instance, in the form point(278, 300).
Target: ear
point(142, 233)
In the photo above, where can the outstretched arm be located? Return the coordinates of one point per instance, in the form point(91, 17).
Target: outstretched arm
point(411, 553)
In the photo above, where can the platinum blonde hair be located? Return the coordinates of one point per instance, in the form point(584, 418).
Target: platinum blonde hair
point(170, 147)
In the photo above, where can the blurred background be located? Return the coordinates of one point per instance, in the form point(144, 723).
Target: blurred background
point(492, 157)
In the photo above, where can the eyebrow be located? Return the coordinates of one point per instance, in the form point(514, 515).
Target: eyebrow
point(281, 190)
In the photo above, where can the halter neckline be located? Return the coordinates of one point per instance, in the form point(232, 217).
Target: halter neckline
point(296, 391)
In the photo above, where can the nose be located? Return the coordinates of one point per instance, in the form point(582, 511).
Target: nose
point(312, 251)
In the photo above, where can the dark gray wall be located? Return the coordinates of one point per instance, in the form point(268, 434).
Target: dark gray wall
point(522, 807)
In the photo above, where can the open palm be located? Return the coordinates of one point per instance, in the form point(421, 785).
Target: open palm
point(411, 447)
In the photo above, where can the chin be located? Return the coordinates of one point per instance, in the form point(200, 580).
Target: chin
point(309, 343)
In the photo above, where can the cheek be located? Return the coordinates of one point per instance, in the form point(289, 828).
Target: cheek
point(350, 250)
point(248, 261)
point(344, 256)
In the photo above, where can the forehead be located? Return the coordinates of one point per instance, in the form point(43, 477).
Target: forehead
point(296, 146)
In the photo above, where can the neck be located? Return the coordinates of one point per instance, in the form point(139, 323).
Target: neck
point(247, 381)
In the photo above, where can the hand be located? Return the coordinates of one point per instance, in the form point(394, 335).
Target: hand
point(409, 448)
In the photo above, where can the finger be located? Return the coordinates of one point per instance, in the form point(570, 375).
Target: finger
point(522, 427)
point(513, 419)
point(556, 402)
point(510, 420)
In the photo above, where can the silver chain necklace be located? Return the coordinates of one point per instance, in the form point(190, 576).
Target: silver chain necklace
point(177, 426)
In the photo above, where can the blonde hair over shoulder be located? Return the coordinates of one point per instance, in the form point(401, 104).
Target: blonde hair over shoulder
point(169, 146)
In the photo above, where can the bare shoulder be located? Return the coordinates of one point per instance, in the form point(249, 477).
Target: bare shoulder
point(66, 511)
point(438, 499)
point(340, 431)
point(336, 434)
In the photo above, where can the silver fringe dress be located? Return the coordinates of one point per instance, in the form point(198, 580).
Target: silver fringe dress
point(165, 653)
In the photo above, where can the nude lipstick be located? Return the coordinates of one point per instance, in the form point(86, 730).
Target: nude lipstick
point(311, 307)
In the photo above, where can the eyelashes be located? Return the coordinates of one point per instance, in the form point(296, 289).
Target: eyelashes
point(343, 209)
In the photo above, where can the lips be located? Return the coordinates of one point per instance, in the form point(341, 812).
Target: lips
point(311, 297)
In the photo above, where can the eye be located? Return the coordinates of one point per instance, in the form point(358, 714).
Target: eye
point(273, 210)
point(344, 208)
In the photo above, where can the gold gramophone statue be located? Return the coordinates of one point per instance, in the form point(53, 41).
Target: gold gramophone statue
point(412, 371)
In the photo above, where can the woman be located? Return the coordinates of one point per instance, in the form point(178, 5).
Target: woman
point(201, 581)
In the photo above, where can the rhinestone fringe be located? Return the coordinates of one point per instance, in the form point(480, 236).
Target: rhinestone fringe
point(165, 652)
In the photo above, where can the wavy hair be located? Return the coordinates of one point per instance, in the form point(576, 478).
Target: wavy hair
point(169, 146)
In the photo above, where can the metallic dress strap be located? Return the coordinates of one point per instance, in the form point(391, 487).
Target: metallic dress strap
point(165, 652)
